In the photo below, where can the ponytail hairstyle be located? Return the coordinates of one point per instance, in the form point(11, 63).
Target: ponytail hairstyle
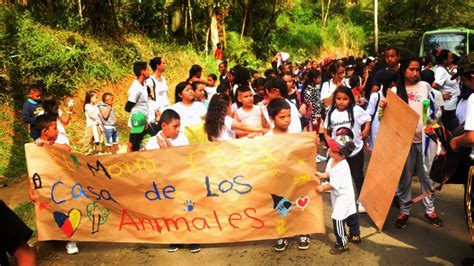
point(350, 108)
point(50, 105)
point(401, 88)
point(441, 55)
point(216, 113)
point(89, 95)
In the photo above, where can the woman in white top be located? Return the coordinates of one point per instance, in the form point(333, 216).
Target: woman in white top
point(219, 125)
point(449, 88)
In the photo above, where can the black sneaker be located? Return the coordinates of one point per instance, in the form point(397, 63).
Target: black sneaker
point(336, 250)
point(173, 247)
point(280, 244)
point(402, 220)
point(194, 248)
point(354, 239)
point(303, 242)
point(434, 219)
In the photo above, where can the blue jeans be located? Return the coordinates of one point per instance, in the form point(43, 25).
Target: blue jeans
point(111, 136)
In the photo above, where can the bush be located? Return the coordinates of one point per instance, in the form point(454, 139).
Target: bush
point(240, 52)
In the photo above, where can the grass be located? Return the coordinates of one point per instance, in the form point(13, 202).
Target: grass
point(26, 211)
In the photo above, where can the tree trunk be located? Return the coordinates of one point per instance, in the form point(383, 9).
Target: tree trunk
point(327, 13)
point(376, 26)
point(245, 20)
point(185, 21)
point(191, 25)
point(79, 8)
point(271, 21)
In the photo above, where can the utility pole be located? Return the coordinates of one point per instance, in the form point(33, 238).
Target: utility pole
point(376, 25)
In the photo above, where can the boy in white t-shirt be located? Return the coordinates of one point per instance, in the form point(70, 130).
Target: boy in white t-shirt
point(169, 135)
point(279, 111)
point(342, 192)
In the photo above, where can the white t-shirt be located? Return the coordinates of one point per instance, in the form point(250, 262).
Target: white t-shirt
point(137, 94)
point(342, 192)
point(461, 111)
point(190, 114)
point(295, 124)
point(327, 89)
point(226, 132)
point(372, 109)
point(416, 94)
point(161, 92)
point(92, 114)
point(62, 136)
point(252, 117)
point(340, 119)
point(180, 140)
point(210, 92)
point(443, 78)
point(469, 125)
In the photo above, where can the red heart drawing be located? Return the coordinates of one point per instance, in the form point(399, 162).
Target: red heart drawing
point(302, 202)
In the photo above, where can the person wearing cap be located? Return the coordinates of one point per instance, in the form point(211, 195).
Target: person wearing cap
point(342, 192)
point(137, 130)
point(137, 103)
point(466, 72)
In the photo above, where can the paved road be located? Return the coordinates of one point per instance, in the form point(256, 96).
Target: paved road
point(418, 244)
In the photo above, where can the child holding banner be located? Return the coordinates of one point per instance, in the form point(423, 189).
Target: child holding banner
point(169, 135)
point(47, 128)
point(279, 111)
point(342, 192)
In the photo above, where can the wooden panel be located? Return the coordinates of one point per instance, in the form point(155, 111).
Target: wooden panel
point(393, 143)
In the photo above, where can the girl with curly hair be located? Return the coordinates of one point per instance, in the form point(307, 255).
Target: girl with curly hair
point(219, 125)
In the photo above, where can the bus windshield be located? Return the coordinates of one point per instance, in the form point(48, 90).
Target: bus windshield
point(454, 42)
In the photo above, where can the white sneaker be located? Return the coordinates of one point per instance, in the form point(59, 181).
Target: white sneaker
point(361, 208)
point(71, 248)
point(320, 158)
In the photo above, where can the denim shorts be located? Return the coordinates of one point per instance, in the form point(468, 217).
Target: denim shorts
point(111, 136)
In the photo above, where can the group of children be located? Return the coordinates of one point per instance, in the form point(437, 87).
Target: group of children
point(285, 101)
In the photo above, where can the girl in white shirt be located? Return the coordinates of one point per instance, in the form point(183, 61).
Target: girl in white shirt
point(345, 117)
point(190, 111)
point(93, 123)
point(219, 125)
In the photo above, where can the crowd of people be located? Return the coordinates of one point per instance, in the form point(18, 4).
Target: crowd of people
point(341, 100)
